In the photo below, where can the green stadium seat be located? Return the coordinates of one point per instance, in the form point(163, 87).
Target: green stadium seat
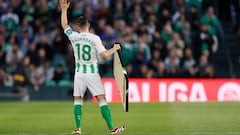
point(50, 83)
point(65, 83)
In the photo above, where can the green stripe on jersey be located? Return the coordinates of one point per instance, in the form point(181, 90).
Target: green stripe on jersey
point(92, 68)
point(84, 68)
point(78, 67)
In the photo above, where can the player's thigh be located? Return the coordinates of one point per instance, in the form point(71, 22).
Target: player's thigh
point(80, 85)
point(95, 85)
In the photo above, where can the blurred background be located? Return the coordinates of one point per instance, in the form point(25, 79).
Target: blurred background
point(160, 39)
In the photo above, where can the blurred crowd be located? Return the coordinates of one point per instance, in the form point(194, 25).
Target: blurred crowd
point(160, 38)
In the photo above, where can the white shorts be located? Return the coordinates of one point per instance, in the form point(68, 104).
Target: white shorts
point(91, 81)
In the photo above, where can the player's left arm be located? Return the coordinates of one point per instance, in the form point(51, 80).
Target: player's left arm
point(104, 53)
point(64, 4)
point(109, 52)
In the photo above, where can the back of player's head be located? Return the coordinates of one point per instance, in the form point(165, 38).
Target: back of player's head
point(82, 21)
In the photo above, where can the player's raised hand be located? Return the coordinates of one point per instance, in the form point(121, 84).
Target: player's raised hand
point(64, 4)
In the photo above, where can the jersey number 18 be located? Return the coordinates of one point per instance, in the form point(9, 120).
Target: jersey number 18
point(86, 52)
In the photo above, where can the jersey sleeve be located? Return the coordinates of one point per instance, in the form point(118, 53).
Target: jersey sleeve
point(68, 31)
point(100, 48)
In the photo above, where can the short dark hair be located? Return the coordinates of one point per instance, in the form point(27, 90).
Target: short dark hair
point(81, 21)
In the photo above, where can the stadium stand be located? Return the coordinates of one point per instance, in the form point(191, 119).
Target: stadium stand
point(160, 38)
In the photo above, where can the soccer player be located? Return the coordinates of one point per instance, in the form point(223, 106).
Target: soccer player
point(86, 48)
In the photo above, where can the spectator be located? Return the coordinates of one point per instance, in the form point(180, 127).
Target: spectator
point(20, 82)
point(58, 73)
point(119, 25)
point(119, 10)
point(195, 3)
point(54, 30)
point(24, 46)
point(69, 58)
point(47, 70)
point(42, 14)
point(43, 44)
point(11, 40)
point(28, 10)
point(174, 72)
point(155, 5)
point(152, 24)
point(25, 30)
point(208, 72)
point(160, 45)
point(102, 9)
point(41, 31)
point(176, 44)
point(161, 72)
point(10, 20)
point(172, 62)
point(188, 60)
point(59, 44)
point(202, 42)
point(165, 17)
point(143, 33)
point(192, 72)
point(127, 49)
point(32, 54)
point(129, 69)
point(203, 62)
point(186, 34)
point(89, 14)
point(141, 54)
point(177, 15)
point(156, 57)
point(14, 56)
point(193, 18)
point(145, 72)
point(77, 10)
point(101, 25)
point(167, 32)
point(97, 4)
point(28, 67)
point(142, 47)
point(15, 4)
point(134, 26)
point(136, 14)
point(108, 36)
point(42, 56)
point(211, 20)
point(3, 6)
point(6, 79)
point(37, 79)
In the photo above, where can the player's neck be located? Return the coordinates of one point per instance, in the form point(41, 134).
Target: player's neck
point(83, 30)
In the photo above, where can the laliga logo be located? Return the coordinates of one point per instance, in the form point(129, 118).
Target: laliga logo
point(229, 92)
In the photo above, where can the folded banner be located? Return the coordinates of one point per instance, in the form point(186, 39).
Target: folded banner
point(176, 90)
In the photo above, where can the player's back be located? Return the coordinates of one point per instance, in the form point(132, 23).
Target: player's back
point(86, 46)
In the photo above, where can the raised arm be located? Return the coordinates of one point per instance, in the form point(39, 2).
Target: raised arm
point(109, 52)
point(64, 4)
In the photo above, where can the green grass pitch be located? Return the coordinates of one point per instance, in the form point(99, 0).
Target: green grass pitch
point(55, 118)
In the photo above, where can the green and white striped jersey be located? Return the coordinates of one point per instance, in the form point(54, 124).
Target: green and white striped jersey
point(86, 47)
